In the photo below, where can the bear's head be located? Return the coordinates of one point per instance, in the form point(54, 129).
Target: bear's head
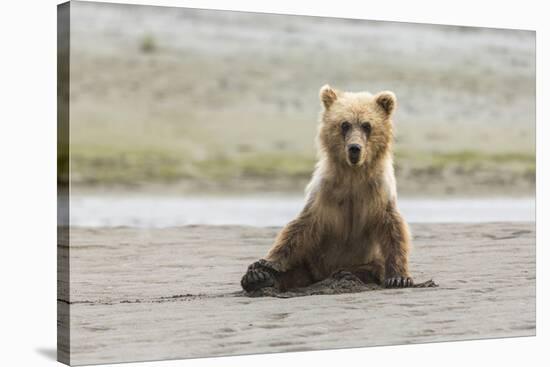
point(355, 128)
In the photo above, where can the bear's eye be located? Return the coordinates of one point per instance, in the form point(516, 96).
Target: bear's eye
point(345, 126)
point(366, 126)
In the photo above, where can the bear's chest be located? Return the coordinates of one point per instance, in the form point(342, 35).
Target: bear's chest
point(357, 207)
point(349, 220)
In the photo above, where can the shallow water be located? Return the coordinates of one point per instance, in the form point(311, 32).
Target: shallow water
point(262, 211)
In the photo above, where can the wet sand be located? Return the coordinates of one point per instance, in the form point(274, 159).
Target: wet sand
point(146, 294)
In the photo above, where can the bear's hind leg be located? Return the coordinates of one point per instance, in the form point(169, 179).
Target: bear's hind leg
point(371, 272)
point(261, 274)
point(297, 277)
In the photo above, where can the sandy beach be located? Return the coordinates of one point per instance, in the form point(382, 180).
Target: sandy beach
point(146, 294)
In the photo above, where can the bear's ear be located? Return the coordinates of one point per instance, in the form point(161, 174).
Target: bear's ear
point(386, 100)
point(327, 95)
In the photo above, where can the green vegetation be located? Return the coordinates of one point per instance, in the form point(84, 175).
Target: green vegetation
point(146, 166)
point(134, 166)
point(108, 166)
point(148, 44)
point(258, 166)
point(465, 158)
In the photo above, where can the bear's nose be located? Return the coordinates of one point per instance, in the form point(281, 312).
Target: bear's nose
point(354, 149)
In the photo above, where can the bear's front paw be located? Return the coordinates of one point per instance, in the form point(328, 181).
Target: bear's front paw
point(398, 282)
point(259, 275)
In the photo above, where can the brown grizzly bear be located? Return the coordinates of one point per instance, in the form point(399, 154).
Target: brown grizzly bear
point(350, 221)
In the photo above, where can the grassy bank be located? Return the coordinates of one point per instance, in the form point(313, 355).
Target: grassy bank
point(417, 172)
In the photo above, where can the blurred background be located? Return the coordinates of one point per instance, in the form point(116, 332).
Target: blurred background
point(179, 113)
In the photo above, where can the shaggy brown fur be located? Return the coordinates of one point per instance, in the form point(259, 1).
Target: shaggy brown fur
point(350, 220)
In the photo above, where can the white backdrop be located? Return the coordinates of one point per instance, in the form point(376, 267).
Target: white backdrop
point(28, 191)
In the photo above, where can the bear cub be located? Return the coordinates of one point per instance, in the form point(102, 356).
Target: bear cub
point(350, 221)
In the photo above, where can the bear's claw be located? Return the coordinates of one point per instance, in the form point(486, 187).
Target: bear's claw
point(398, 282)
point(262, 263)
point(259, 275)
